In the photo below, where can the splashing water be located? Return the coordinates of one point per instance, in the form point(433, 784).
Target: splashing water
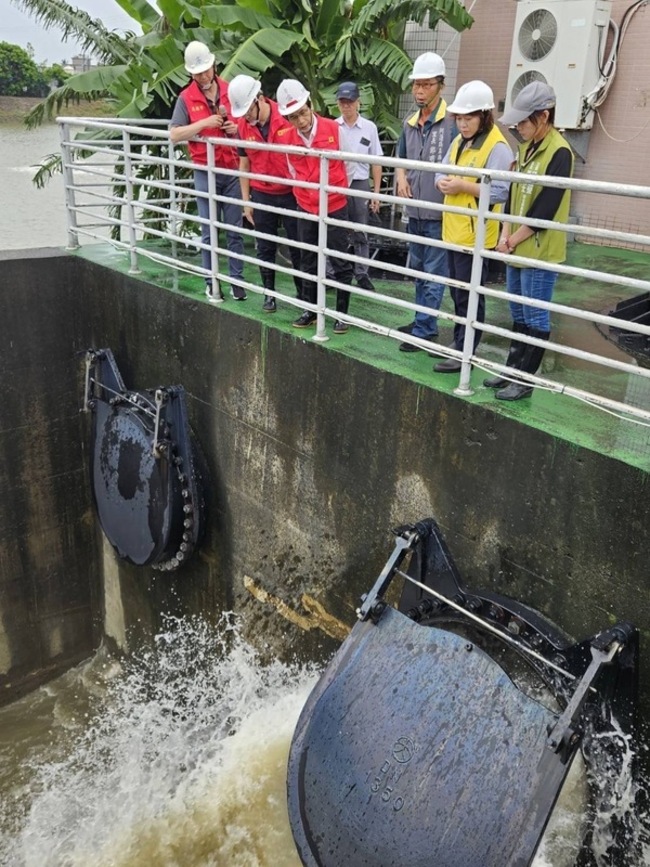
point(184, 763)
point(177, 757)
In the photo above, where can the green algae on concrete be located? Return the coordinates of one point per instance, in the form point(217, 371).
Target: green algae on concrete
point(313, 455)
point(559, 415)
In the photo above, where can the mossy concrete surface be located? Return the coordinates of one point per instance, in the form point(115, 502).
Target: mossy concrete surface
point(314, 452)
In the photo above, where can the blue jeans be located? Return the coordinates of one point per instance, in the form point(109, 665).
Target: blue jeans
point(227, 212)
point(531, 283)
point(433, 260)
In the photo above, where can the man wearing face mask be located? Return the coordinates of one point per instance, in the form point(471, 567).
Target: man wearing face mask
point(259, 120)
point(202, 110)
point(426, 136)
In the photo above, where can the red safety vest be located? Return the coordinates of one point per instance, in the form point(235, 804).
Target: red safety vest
point(267, 162)
point(198, 108)
point(307, 168)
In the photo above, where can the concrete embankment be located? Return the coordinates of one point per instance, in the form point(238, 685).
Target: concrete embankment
point(312, 457)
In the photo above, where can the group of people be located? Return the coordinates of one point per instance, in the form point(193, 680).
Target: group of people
point(463, 134)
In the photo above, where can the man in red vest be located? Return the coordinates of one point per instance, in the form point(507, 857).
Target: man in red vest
point(310, 130)
point(202, 110)
point(258, 120)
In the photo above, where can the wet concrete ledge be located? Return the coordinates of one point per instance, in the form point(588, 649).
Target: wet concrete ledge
point(313, 456)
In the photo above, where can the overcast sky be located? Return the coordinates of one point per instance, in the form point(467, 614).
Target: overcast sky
point(19, 28)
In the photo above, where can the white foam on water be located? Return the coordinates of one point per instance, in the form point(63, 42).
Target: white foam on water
point(176, 757)
point(185, 764)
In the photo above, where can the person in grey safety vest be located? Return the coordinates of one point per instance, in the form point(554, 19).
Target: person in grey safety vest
point(426, 136)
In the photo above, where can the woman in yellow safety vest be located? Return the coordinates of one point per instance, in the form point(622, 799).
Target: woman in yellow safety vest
point(543, 151)
point(478, 145)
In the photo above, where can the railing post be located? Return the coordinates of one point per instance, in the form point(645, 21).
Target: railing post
point(474, 282)
point(173, 203)
point(67, 156)
point(130, 209)
point(321, 269)
point(215, 294)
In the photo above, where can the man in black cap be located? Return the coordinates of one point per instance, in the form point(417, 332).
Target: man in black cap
point(359, 135)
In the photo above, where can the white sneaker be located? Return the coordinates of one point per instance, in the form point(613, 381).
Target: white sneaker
point(217, 297)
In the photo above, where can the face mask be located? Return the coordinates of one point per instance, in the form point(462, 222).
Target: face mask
point(206, 87)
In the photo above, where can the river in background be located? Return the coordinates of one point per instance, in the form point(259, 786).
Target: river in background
point(29, 217)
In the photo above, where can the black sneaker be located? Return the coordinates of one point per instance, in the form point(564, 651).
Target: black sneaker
point(411, 347)
point(407, 329)
point(308, 318)
point(238, 293)
point(340, 327)
point(269, 304)
point(449, 365)
point(365, 283)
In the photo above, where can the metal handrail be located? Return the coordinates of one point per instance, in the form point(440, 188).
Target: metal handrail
point(146, 143)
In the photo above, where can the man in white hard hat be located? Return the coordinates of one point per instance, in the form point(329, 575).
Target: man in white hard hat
point(258, 120)
point(359, 135)
point(310, 130)
point(426, 136)
point(479, 144)
point(202, 111)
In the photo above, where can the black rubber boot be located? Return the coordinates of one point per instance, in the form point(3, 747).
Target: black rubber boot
point(530, 362)
point(515, 354)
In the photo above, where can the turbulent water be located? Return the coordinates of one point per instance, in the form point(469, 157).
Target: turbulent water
point(177, 757)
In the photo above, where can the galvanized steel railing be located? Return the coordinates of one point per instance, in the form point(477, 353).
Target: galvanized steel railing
point(122, 185)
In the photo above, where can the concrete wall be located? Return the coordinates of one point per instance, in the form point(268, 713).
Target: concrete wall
point(312, 458)
point(49, 571)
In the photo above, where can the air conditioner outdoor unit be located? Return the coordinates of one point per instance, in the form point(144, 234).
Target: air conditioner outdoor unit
point(561, 42)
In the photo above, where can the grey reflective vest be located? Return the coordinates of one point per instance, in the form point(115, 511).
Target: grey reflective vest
point(427, 144)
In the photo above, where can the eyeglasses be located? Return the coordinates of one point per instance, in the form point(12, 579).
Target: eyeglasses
point(425, 85)
point(254, 103)
point(303, 112)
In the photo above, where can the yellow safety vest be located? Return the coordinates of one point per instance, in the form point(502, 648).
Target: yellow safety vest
point(461, 228)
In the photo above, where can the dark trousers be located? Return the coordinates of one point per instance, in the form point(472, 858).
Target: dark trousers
point(227, 212)
point(337, 239)
point(269, 223)
point(460, 268)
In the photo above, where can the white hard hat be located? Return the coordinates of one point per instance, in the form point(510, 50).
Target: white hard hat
point(291, 96)
point(198, 58)
point(428, 65)
point(473, 96)
point(242, 91)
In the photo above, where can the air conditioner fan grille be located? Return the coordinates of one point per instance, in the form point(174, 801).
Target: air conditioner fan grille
point(537, 34)
point(524, 79)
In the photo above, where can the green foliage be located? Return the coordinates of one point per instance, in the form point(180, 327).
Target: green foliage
point(56, 74)
point(19, 75)
point(319, 42)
